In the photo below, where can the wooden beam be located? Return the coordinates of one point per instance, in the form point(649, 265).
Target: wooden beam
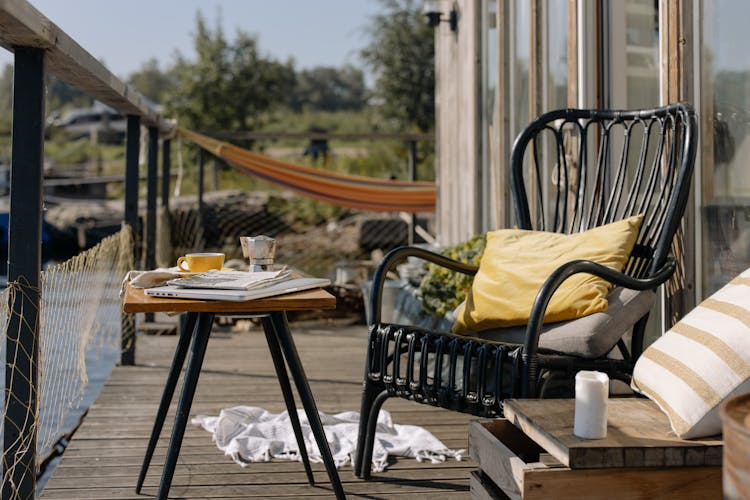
point(572, 53)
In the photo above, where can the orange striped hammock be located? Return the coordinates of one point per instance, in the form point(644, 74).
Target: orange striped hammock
point(349, 191)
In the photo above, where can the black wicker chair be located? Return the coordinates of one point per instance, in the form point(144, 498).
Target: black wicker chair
point(603, 166)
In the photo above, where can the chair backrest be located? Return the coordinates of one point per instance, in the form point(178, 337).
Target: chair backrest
point(575, 169)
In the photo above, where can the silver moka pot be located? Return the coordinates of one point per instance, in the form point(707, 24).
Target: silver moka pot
point(260, 250)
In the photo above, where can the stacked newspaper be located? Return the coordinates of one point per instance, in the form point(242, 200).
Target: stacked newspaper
point(232, 280)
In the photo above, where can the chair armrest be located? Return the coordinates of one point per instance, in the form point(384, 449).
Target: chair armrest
point(553, 282)
point(395, 255)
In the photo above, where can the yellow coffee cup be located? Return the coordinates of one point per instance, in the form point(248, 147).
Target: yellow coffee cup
point(200, 262)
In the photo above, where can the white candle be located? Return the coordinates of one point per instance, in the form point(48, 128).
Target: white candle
point(592, 390)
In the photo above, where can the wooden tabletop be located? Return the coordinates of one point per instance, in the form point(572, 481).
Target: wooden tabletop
point(638, 435)
point(136, 301)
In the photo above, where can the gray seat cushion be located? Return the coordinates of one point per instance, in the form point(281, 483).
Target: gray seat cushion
point(592, 336)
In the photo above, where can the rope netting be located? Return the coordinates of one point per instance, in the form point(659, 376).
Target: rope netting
point(79, 340)
point(313, 235)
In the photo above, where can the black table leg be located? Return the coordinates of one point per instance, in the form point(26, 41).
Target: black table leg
point(286, 390)
point(303, 388)
point(166, 398)
point(197, 353)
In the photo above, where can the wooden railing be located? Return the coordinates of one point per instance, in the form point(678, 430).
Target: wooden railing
point(39, 47)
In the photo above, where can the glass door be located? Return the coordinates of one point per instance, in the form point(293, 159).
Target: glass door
point(525, 73)
point(491, 181)
point(631, 54)
point(628, 66)
point(724, 184)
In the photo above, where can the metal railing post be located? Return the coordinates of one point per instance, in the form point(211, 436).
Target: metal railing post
point(151, 188)
point(199, 241)
point(24, 269)
point(166, 160)
point(165, 234)
point(132, 151)
point(132, 146)
point(151, 182)
point(412, 177)
point(201, 178)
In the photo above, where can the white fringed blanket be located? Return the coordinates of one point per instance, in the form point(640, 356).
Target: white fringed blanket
point(250, 434)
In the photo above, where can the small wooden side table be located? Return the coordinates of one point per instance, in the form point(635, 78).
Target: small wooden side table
point(194, 336)
point(532, 454)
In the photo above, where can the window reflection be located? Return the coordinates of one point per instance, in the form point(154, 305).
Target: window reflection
point(556, 57)
point(726, 144)
point(491, 166)
point(634, 54)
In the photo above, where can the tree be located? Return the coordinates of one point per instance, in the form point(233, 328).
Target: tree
point(153, 83)
point(60, 96)
point(326, 88)
point(401, 52)
point(230, 85)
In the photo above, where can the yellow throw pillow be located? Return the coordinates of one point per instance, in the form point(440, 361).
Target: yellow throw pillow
point(516, 263)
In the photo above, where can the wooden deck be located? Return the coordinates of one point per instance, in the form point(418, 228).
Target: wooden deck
point(103, 459)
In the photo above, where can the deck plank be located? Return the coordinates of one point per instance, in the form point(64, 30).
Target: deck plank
point(104, 456)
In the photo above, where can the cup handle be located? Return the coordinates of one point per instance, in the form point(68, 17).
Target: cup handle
point(179, 264)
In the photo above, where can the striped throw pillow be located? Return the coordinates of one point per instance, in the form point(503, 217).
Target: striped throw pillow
point(701, 362)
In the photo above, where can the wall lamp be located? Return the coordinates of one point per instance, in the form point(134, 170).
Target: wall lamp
point(434, 16)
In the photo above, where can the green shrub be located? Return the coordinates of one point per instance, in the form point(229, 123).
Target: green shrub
point(443, 290)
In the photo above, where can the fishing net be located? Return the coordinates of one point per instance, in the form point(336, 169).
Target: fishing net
point(79, 341)
point(313, 236)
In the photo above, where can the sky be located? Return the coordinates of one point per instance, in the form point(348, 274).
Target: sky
point(126, 33)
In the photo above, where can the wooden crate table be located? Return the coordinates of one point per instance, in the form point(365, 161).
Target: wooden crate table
point(532, 453)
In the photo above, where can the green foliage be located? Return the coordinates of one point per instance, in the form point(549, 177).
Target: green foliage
point(382, 158)
point(61, 95)
point(71, 152)
point(385, 160)
point(226, 83)
point(230, 85)
point(326, 88)
point(152, 82)
point(443, 290)
point(341, 121)
point(401, 52)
